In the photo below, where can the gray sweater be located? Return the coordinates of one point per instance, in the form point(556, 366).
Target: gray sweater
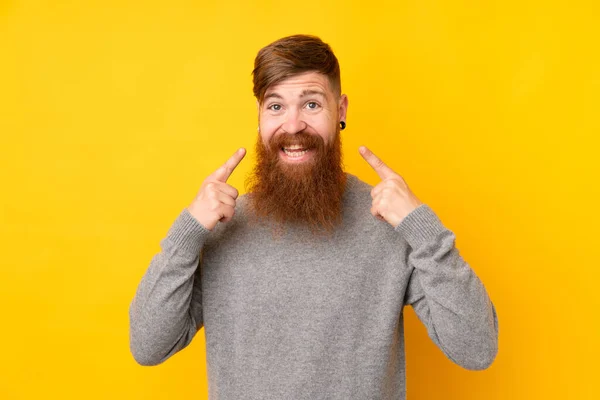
point(297, 316)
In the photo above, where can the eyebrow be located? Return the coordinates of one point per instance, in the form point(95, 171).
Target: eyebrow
point(305, 92)
point(308, 92)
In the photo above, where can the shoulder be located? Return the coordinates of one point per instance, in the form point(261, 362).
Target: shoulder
point(357, 191)
point(361, 228)
point(357, 202)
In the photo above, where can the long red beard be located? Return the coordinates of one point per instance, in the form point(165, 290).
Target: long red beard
point(308, 193)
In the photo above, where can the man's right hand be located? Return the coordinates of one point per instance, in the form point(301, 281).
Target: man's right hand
point(216, 199)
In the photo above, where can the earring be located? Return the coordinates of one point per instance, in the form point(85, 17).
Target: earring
point(342, 125)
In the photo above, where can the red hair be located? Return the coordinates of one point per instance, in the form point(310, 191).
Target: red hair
point(293, 55)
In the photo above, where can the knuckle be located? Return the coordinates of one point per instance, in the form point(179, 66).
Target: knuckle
point(389, 183)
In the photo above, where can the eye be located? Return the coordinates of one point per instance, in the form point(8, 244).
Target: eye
point(274, 107)
point(313, 105)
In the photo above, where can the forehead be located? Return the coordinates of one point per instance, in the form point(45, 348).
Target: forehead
point(300, 84)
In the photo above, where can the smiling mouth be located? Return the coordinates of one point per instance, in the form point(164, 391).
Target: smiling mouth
point(294, 151)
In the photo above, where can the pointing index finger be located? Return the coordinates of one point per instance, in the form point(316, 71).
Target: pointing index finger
point(375, 162)
point(223, 173)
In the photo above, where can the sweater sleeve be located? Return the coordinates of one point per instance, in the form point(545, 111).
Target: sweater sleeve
point(166, 311)
point(446, 294)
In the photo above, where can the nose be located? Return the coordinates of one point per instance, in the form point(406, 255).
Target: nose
point(293, 123)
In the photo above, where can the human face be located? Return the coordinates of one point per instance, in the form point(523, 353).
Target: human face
point(302, 103)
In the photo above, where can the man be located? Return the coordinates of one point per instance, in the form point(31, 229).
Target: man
point(300, 284)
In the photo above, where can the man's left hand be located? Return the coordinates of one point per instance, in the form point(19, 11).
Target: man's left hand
point(392, 198)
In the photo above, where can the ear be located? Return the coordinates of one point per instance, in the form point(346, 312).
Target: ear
point(343, 108)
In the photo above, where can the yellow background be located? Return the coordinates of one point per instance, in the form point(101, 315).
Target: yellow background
point(113, 112)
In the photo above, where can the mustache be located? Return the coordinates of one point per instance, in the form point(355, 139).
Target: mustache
point(302, 139)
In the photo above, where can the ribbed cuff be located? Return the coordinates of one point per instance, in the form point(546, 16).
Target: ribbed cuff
point(420, 225)
point(187, 233)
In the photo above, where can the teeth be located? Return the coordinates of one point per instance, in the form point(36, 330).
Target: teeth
point(294, 153)
point(294, 147)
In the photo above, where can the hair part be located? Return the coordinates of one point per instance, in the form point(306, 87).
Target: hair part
point(294, 55)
